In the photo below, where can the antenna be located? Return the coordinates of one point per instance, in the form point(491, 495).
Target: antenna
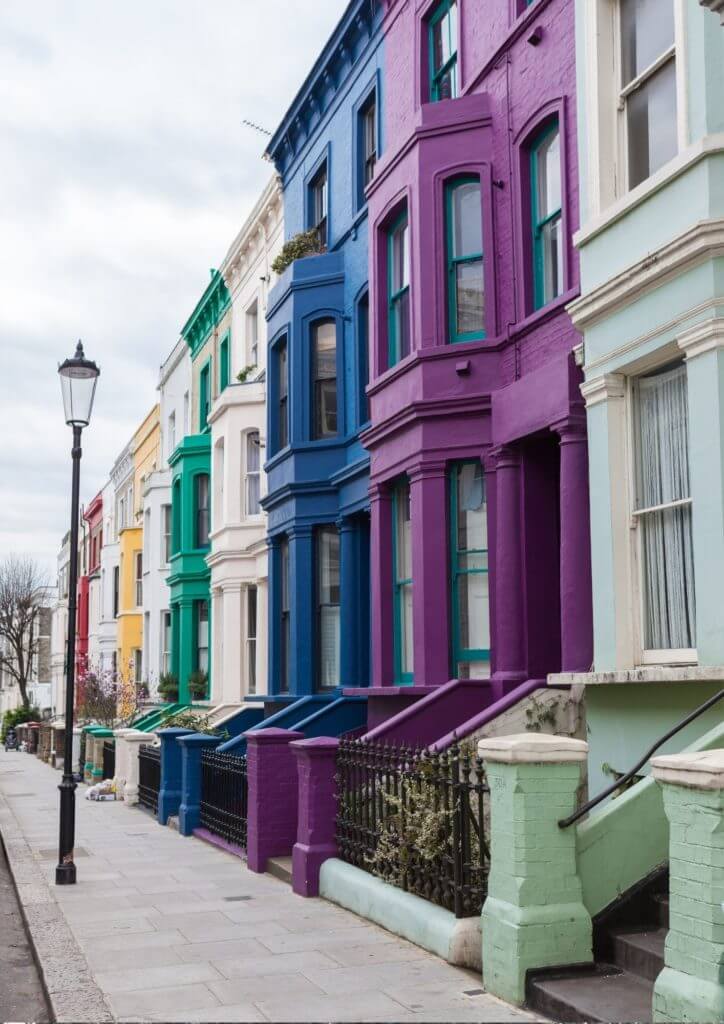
point(256, 127)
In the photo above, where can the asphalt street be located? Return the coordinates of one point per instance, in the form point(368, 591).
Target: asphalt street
point(21, 993)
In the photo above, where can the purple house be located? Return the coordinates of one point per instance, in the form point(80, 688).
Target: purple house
point(479, 496)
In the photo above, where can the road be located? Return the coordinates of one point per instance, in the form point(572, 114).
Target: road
point(21, 993)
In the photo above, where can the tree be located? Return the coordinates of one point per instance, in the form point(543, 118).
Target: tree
point(23, 590)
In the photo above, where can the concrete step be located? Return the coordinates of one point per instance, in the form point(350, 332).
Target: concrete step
point(660, 901)
point(280, 867)
point(640, 952)
point(600, 994)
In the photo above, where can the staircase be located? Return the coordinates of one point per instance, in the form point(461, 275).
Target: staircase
point(619, 986)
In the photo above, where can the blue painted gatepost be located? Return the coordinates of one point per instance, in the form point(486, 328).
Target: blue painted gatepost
point(317, 500)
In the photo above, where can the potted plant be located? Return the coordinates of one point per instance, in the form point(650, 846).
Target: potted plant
point(198, 685)
point(243, 375)
point(306, 243)
point(168, 687)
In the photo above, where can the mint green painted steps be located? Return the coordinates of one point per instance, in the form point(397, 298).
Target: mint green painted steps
point(417, 920)
point(628, 838)
point(534, 915)
point(691, 986)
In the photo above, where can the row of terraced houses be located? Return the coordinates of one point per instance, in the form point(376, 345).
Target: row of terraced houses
point(456, 475)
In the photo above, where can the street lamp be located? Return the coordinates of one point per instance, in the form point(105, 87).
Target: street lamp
point(78, 379)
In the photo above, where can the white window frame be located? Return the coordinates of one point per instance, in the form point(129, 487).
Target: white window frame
point(607, 151)
point(645, 656)
point(246, 437)
point(138, 580)
point(166, 534)
point(252, 314)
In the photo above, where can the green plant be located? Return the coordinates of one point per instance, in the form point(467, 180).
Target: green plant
point(306, 243)
point(197, 722)
point(244, 374)
point(198, 684)
point(17, 716)
point(168, 686)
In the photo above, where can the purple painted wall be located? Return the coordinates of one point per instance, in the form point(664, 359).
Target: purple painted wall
point(511, 400)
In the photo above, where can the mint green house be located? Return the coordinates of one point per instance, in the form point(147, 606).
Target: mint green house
point(651, 313)
point(207, 333)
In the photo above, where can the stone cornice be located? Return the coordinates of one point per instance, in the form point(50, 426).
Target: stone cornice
point(716, 6)
point(704, 240)
point(255, 234)
point(172, 361)
point(123, 466)
point(603, 388)
point(701, 338)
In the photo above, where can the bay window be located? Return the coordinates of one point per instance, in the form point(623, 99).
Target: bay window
point(547, 215)
point(648, 85)
point(443, 51)
point(464, 232)
point(663, 513)
point(402, 583)
point(324, 373)
point(469, 571)
point(328, 596)
point(398, 296)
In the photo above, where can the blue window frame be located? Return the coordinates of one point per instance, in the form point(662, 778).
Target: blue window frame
point(469, 571)
point(402, 583)
point(398, 290)
point(281, 353)
point(367, 143)
point(464, 239)
point(546, 215)
point(285, 635)
point(318, 204)
point(442, 36)
point(324, 379)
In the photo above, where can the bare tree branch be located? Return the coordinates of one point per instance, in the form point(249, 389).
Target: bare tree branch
point(23, 591)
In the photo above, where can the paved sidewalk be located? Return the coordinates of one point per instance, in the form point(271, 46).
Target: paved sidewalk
point(164, 928)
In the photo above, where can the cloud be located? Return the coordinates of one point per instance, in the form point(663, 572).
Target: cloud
point(126, 173)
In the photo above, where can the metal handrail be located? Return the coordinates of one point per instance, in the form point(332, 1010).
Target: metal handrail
point(572, 818)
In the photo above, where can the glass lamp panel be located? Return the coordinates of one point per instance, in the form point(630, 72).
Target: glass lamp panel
point(470, 306)
point(467, 220)
point(647, 31)
point(78, 390)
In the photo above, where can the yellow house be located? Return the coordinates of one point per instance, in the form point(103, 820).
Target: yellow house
point(145, 448)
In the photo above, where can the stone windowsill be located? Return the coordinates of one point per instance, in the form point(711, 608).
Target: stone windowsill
point(643, 674)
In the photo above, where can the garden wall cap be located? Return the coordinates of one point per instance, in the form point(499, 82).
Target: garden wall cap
point(701, 769)
point(199, 739)
point(316, 744)
point(532, 748)
point(272, 735)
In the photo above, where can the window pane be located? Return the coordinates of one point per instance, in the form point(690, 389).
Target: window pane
point(467, 220)
point(404, 545)
point(328, 580)
point(326, 408)
point(283, 371)
point(470, 300)
point(668, 580)
point(401, 313)
point(651, 112)
point(647, 31)
point(400, 258)
point(552, 252)
point(202, 637)
point(473, 612)
point(472, 526)
point(329, 646)
point(252, 451)
point(325, 350)
point(662, 438)
point(406, 649)
point(548, 176)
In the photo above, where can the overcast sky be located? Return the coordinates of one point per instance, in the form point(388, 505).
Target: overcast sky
point(125, 173)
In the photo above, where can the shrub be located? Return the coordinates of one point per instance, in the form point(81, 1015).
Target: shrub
point(168, 686)
point(306, 243)
point(198, 685)
point(193, 720)
point(243, 375)
point(17, 716)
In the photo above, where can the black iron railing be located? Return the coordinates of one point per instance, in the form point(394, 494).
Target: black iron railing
point(416, 819)
point(224, 796)
point(631, 774)
point(81, 754)
point(109, 759)
point(149, 776)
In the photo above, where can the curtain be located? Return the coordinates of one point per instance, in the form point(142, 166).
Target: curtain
point(662, 476)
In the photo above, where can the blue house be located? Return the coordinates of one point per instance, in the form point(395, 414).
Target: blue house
point(318, 472)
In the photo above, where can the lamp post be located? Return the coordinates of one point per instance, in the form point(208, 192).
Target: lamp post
point(78, 379)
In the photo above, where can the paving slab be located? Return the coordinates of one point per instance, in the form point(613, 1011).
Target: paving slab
point(165, 928)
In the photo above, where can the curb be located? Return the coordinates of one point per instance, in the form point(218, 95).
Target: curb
point(70, 990)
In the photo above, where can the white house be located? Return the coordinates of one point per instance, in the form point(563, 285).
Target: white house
point(59, 629)
point(174, 387)
point(238, 558)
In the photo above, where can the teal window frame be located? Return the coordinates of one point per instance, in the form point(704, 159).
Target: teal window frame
point(437, 75)
point(460, 653)
point(453, 261)
point(394, 298)
point(401, 678)
point(176, 516)
point(197, 512)
point(224, 363)
point(204, 395)
point(538, 225)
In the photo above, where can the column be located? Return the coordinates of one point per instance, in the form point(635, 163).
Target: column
point(534, 915)
point(217, 644)
point(169, 794)
point(187, 646)
point(301, 605)
point(704, 348)
point(575, 549)
point(133, 740)
point(691, 985)
point(271, 771)
point(262, 636)
point(349, 605)
point(122, 754)
point(508, 640)
point(381, 579)
point(191, 747)
point(317, 812)
point(232, 688)
point(273, 636)
point(430, 578)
